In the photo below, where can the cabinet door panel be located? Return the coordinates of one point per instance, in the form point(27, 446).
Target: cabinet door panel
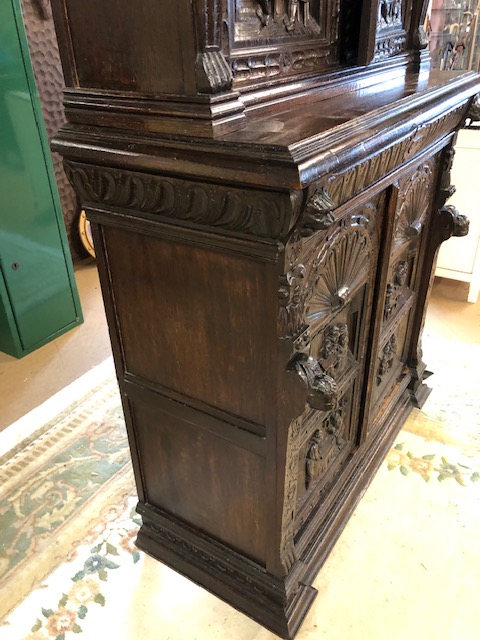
point(340, 272)
point(397, 301)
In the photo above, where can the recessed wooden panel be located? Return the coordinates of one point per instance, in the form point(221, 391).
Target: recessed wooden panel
point(137, 41)
point(192, 320)
point(203, 479)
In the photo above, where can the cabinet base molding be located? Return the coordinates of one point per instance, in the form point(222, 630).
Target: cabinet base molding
point(279, 604)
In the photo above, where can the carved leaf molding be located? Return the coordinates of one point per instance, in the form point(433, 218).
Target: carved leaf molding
point(260, 214)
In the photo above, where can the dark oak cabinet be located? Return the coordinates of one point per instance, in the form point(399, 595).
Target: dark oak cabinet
point(267, 185)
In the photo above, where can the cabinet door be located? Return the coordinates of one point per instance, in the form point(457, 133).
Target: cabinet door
point(340, 268)
point(37, 288)
point(397, 299)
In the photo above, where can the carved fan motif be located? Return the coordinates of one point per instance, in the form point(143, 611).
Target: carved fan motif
point(414, 205)
point(340, 268)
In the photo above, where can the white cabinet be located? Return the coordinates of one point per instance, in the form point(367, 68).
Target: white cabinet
point(459, 258)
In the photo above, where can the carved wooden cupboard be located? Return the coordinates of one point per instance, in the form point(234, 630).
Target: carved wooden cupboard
point(266, 183)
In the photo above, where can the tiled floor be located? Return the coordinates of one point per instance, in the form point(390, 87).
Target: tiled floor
point(28, 382)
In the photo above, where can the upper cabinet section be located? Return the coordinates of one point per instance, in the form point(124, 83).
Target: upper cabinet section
point(196, 65)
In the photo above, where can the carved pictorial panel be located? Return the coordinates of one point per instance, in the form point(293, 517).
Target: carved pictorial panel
point(393, 23)
point(274, 38)
point(389, 366)
point(328, 292)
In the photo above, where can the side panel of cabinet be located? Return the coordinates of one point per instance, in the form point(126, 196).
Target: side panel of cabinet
point(191, 325)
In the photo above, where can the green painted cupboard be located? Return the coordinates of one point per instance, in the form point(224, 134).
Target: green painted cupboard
point(38, 295)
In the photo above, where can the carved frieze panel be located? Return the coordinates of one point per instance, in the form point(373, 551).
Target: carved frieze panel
point(344, 185)
point(260, 214)
point(263, 20)
point(271, 38)
point(393, 22)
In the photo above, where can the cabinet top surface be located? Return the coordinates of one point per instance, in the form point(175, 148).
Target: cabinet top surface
point(314, 116)
point(290, 139)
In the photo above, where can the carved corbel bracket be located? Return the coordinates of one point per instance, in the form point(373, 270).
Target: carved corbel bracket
point(318, 213)
point(451, 223)
point(322, 388)
point(213, 72)
point(420, 38)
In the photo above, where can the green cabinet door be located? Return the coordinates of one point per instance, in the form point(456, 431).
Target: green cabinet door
point(38, 296)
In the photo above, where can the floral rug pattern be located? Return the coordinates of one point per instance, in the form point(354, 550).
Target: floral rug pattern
point(69, 469)
point(429, 466)
point(77, 495)
point(114, 547)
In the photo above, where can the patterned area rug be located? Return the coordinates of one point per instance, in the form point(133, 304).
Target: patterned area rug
point(407, 564)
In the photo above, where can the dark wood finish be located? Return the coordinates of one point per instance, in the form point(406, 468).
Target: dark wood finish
point(266, 219)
